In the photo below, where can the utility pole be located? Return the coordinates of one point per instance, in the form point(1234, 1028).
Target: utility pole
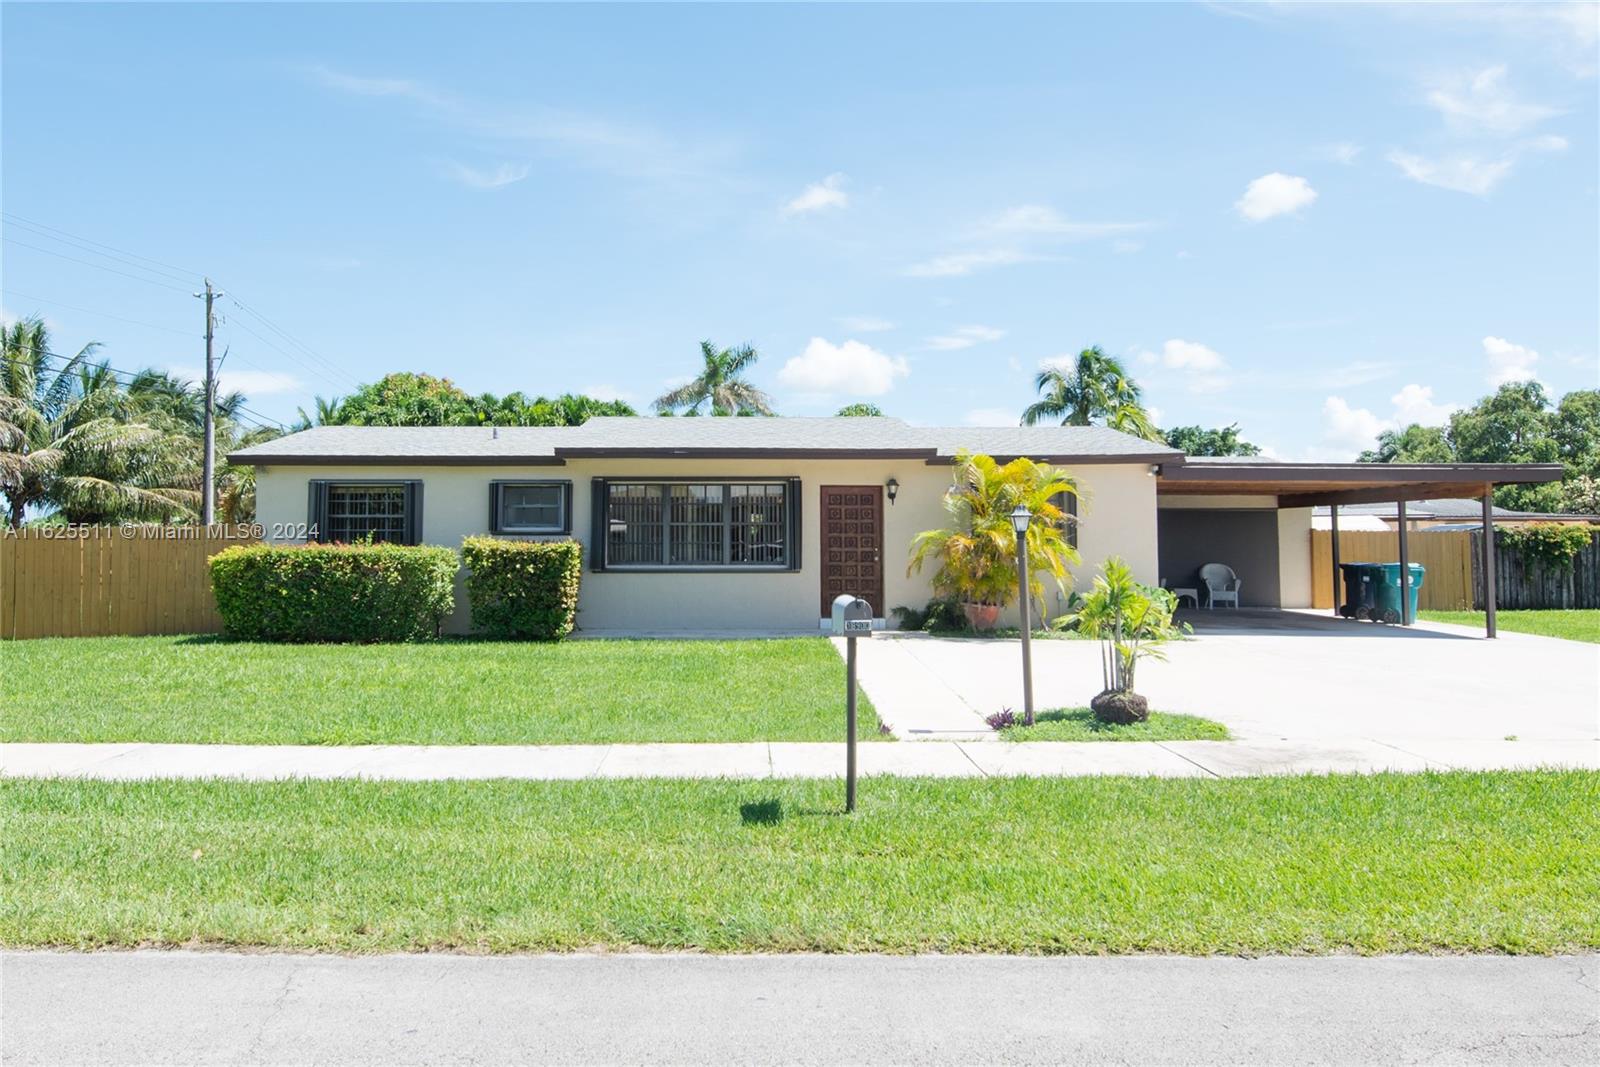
point(209, 467)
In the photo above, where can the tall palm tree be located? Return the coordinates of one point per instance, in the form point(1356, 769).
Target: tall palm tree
point(1095, 388)
point(65, 439)
point(719, 386)
point(326, 413)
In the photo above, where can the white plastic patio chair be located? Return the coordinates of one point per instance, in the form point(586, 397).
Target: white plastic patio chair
point(1221, 584)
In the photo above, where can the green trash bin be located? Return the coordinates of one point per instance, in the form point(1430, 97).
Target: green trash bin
point(1386, 606)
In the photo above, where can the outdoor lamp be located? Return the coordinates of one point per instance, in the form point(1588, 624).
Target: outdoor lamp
point(1020, 517)
point(892, 487)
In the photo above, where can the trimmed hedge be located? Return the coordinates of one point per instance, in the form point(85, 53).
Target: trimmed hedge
point(361, 593)
point(522, 590)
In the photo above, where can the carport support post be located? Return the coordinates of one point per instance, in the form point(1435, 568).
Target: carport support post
point(1333, 517)
point(1488, 561)
point(1405, 571)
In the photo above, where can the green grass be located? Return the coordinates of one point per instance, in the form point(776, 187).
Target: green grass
point(1384, 863)
point(1574, 624)
point(189, 689)
point(1079, 724)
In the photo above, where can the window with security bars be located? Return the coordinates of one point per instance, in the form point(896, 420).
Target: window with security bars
point(356, 512)
point(698, 524)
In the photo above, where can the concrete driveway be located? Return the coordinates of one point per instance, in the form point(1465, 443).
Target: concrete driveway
point(1269, 676)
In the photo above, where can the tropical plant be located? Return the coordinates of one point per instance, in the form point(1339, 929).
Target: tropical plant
point(1095, 388)
point(1199, 441)
point(861, 411)
point(719, 386)
point(977, 553)
point(71, 439)
point(324, 413)
point(1550, 544)
point(1132, 622)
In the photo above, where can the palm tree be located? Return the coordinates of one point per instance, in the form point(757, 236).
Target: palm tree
point(327, 414)
point(1095, 387)
point(719, 385)
point(65, 439)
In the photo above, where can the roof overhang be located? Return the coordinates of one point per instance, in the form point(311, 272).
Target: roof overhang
point(1297, 485)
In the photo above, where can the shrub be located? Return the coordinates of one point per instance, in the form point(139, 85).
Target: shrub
point(1552, 544)
point(942, 615)
point(522, 590)
point(333, 592)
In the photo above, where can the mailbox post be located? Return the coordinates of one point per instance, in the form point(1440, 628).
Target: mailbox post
point(852, 618)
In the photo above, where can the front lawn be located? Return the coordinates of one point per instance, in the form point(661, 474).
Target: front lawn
point(1573, 624)
point(201, 689)
point(1080, 724)
point(1471, 862)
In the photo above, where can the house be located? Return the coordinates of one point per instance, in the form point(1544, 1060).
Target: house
point(758, 523)
point(1447, 514)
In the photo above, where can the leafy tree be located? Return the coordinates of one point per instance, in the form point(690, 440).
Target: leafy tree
point(69, 439)
point(1096, 388)
point(1576, 429)
point(861, 410)
point(1414, 444)
point(407, 399)
point(977, 553)
point(1511, 426)
point(1196, 441)
point(719, 386)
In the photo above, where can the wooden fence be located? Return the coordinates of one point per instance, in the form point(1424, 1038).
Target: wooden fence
point(1447, 557)
point(1520, 583)
point(102, 580)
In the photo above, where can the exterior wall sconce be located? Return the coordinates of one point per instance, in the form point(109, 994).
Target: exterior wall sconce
point(1155, 470)
point(892, 489)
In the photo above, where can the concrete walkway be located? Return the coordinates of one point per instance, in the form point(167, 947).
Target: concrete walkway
point(1193, 759)
point(223, 1008)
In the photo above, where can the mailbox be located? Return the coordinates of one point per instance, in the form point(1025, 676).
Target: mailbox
point(852, 616)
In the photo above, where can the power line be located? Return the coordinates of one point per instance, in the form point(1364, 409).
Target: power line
point(290, 338)
point(288, 355)
point(83, 244)
point(102, 314)
point(97, 266)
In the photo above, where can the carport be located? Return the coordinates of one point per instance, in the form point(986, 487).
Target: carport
point(1240, 504)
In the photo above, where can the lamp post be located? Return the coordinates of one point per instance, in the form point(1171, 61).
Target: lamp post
point(1020, 518)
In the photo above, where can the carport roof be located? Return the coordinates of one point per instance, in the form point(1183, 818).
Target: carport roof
point(1312, 484)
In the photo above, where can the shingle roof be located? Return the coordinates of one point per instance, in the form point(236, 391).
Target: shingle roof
point(612, 435)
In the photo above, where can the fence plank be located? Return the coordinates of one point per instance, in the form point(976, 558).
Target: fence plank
point(1445, 557)
point(99, 582)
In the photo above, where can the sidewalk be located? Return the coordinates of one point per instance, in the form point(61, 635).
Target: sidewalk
point(1192, 759)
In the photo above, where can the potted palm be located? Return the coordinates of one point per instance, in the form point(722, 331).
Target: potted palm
point(1132, 622)
point(976, 555)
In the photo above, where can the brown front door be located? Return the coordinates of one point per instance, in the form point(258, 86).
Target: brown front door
point(852, 545)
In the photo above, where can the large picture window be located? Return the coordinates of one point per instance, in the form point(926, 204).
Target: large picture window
point(530, 507)
point(347, 512)
point(696, 524)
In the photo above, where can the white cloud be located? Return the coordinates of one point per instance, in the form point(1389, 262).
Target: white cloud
point(1202, 367)
point(965, 337)
point(501, 176)
point(1344, 152)
point(252, 383)
point(852, 368)
point(990, 417)
point(1508, 362)
point(865, 324)
point(1464, 174)
point(1348, 428)
point(960, 264)
point(1415, 403)
point(1039, 220)
point(818, 196)
point(1274, 194)
point(1481, 103)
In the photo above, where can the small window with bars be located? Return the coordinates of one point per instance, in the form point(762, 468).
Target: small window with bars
point(692, 525)
point(348, 512)
point(530, 507)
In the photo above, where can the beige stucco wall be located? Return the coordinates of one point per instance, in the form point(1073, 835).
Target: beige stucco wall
point(1294, 557)
point(1117, 518)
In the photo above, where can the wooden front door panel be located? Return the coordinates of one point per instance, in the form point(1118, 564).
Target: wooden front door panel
point(852, 545)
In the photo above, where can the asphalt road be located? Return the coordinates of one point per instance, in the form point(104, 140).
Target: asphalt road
point(217, 1008)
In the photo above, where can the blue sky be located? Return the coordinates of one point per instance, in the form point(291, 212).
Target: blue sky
point(1312, 221)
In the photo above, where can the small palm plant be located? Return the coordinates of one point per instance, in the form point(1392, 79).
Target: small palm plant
point(977, 554)
point(1132, 622)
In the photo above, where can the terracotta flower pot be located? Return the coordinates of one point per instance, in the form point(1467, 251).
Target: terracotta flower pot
point(981, 617)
